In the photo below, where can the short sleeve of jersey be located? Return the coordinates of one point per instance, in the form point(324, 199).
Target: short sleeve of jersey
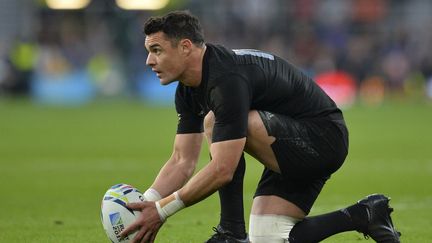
point(230, 102)
point(189, 121)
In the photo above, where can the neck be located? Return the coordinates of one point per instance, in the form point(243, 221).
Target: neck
point(193, 75)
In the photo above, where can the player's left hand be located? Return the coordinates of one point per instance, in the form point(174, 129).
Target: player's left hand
point(147, 225)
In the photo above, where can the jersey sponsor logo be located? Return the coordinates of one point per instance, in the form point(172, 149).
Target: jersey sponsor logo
point(252, 52)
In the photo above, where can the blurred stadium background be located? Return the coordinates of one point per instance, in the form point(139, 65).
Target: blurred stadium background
point(79, 111)
point(362, 50)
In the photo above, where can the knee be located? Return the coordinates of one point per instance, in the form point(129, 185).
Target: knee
point(209, 121)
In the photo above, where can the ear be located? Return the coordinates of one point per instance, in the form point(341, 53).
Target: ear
point(186, 47)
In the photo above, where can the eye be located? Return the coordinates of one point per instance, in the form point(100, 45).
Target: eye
point(157, 51)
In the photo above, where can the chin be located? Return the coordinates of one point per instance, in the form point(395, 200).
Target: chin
point(165, 82)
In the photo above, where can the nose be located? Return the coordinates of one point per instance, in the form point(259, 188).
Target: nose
point(150, 60)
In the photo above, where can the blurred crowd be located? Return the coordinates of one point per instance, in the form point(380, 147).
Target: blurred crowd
point(362, 50)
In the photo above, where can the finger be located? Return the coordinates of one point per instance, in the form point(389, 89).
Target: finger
point(131, 228)
point(139, 236)
point(153, 237)
point(135, 206)
point(143, 241)
point(146, 237)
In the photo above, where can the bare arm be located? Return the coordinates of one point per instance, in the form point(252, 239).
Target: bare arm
point(225, 157)
point(181, 165)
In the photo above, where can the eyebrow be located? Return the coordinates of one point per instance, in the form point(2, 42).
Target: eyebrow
point(154, 46)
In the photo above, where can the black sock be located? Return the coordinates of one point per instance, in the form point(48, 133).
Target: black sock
point(317, 228)
point(231, 201)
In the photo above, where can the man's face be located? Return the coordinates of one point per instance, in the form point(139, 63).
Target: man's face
point(164, 58)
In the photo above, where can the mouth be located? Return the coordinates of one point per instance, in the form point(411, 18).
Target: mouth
point(158, 73)
point(155, 70)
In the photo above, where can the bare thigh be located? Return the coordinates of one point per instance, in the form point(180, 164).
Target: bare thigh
point(209, 121)
point(258, 145)
point(258, 142)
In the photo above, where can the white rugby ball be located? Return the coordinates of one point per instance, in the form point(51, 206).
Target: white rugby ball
point(115, 215)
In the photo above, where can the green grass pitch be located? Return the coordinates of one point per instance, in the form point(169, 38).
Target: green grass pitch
point(56, 164)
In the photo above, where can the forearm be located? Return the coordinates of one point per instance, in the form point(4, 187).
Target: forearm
point(180, 166)
point(173, 175)
point(213, 176)
point(205, 182)
point(217, 173)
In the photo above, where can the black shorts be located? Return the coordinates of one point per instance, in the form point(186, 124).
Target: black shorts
point(308, 151)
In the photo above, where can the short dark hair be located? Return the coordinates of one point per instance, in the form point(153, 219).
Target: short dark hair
point(176, 25)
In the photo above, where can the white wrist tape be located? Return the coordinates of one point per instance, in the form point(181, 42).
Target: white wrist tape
point(151, 195)
point(170, 208)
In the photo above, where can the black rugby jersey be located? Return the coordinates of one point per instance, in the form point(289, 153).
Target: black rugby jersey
point(237, 81)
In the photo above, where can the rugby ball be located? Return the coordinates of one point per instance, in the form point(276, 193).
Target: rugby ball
point(115, 216)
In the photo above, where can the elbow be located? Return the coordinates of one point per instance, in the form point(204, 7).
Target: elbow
point(226, 180)
point(225, 174)
point(189, 170)
point(184, 165)
point(186, 168)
